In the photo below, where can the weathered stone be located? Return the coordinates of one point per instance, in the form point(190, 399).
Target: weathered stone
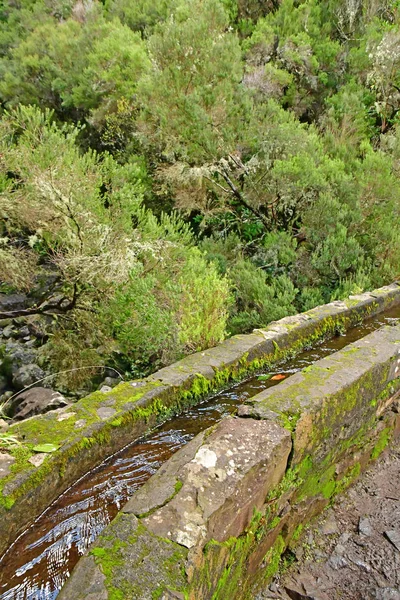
point(63, 416)
point(35, 401)
point(3, 425)
point(394, 538)
point(75, 456)
point(337, 562)
point(9, 332)
point(11, 302)
point(324, 408)
point(364, 526)
point(37, 459)
point(227, 478)
point(6, 461)
point(110, 382)
point(23, 332)
point(27, 375)
point(136, 562)
point(88, 582)
point(105, 412)
point(163, 485)
point(387, 593)
point(330, 527)
point(304, 587)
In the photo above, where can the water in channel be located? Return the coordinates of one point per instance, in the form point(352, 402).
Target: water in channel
point(39, 562)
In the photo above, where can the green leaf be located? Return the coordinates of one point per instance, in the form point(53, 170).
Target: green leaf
point(45, 448)
point(264, 377)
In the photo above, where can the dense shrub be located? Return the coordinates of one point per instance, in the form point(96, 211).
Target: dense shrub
point(193, 168)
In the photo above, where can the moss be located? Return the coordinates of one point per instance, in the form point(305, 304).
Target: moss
point(383, 440)
point(178, 486)
point(289, 421)
point(297, 532)
point(273, 557)
point(108, 559)
point(351, 474)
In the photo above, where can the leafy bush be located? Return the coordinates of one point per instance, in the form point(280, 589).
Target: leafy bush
point(257, 301)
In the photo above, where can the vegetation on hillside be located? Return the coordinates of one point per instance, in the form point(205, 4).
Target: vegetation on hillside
point(189, 169)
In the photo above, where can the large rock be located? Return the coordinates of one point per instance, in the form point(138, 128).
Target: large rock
point(35, 401)
point(27, 375)
point(223, 477)
point(11, 302)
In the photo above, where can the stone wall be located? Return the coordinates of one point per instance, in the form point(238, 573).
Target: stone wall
point(93, 428)
point(213, 522)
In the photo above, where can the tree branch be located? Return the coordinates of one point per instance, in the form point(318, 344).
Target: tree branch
point(239, 197)
point(46, 307)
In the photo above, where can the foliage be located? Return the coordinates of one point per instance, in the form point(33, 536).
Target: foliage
point(190, 168)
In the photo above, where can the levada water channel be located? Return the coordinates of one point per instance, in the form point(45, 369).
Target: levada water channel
point(42, 558)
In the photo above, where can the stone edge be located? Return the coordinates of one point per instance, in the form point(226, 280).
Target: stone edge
point(103, 423)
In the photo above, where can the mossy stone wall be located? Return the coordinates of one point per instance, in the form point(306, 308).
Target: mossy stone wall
point(247, 487)
point(102, 423)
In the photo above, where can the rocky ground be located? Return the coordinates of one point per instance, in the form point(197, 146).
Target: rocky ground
point(353, 551)
point(23, 364)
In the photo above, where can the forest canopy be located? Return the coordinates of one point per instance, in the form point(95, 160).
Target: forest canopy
point(183, 170)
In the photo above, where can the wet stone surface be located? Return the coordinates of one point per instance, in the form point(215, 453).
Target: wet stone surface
point(353, 551)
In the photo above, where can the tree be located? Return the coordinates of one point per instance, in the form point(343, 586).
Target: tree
point(191, 98)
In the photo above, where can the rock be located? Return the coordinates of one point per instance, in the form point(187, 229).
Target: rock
point(105, 412)
point(37, 459)
point(23, 332)
point(26, 375)
point(35, 401)
point(330, 527)
point(19, 355)
point(64, 416)
point(9, 332)
point(224, 478)
point(340, 549)
point(109, 382)
point(141, 563)
point(105, 388)
point(337, 562)
point(394, 537)
point(304, 587)
point(3, 383)
point(10, 302)
point(6, 461)
point(364, 526)
point(5, 397)
point(387, 593)
point(3, 425)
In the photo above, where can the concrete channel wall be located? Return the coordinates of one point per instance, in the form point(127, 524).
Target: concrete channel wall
point(95, 427)
point(213, 522)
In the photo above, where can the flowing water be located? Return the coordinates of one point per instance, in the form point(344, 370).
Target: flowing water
point(39, 562)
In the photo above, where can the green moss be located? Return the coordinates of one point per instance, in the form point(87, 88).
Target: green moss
point(297, 532)
point(273, 557)
point(348, 478)
point(289, 421)
point(108, 559)
point(178, 486)
point(383, 440)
